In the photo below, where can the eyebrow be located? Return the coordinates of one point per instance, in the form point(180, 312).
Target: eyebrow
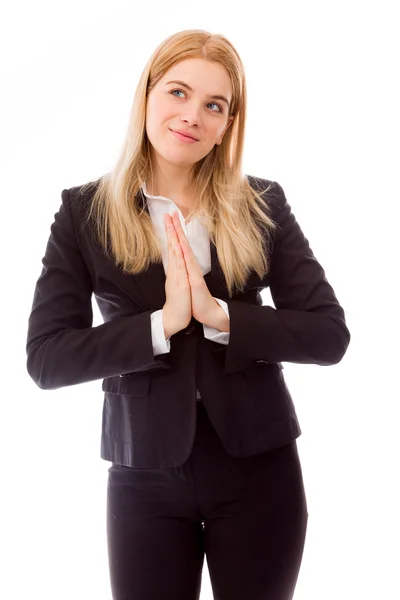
point(215, 97)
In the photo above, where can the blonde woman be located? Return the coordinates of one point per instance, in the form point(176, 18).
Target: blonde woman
point(176, 244)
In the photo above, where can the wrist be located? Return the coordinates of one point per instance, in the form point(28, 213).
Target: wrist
point(168, 330)
point(218, 319)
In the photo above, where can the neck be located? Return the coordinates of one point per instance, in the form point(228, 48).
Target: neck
point(171, 181)
point(168, 187)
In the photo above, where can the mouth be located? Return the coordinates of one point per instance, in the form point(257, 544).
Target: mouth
point(188, 136)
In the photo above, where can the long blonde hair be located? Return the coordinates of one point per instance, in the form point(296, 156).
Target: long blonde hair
point(232, 210)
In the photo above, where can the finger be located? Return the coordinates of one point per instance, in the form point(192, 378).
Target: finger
point(173, 237)
point(190, 262)
point(175, 249)
point(186, 248)
point(178, 227)
point(169, 228)
point(170, 240)
point(175, 234)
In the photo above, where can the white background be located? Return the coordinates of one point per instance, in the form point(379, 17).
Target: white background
point(323, 122)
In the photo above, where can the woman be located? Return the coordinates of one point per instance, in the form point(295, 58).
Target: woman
point(176, 244)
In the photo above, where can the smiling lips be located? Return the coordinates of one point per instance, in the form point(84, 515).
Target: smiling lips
point(183, 138)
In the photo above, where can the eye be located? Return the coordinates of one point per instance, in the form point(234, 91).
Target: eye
point(176, 91)
point(219, 106)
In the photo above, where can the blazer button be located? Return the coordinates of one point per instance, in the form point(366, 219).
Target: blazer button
point(262, 361)
point(190, 329)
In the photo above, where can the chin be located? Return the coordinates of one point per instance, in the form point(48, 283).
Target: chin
point(178, 158)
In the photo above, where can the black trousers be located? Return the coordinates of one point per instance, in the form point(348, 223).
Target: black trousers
point(247, 514)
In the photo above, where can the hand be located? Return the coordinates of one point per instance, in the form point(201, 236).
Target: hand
point(177, 310)
point(203, 304)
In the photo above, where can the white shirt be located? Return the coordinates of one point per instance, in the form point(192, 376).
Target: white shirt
point(199, 241)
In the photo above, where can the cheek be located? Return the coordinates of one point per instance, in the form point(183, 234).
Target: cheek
point(154, 109)
point(157, 118)
point(219, 130)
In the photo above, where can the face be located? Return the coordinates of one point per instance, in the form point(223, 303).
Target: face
point(197, 111)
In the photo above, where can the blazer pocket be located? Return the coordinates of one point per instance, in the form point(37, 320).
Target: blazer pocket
point(136, 384)
point(259, 369)
point(126, 407)
point(268, 393)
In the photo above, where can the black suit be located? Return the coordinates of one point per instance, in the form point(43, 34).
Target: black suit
point(229, 462)
point(149, 415)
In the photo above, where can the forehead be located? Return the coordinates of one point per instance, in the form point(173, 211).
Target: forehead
point(200, 74)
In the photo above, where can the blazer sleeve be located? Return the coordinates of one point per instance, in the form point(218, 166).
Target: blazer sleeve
point(307, 324)
point(63, 348)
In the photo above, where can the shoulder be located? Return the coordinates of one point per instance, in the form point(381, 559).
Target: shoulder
point(271, 191)
point(83, 192)
point(75, 205)
point(78, 197)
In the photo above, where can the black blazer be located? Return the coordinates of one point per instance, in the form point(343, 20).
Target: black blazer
point(149, 410)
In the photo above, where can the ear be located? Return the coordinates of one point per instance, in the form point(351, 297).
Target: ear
point(225, 130)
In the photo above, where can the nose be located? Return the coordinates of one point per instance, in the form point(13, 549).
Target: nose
point(191, 115)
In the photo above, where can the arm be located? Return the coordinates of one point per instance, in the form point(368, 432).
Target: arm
point(62, 346)
point(218, 326)
point(308, 324)
point(161, 343)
